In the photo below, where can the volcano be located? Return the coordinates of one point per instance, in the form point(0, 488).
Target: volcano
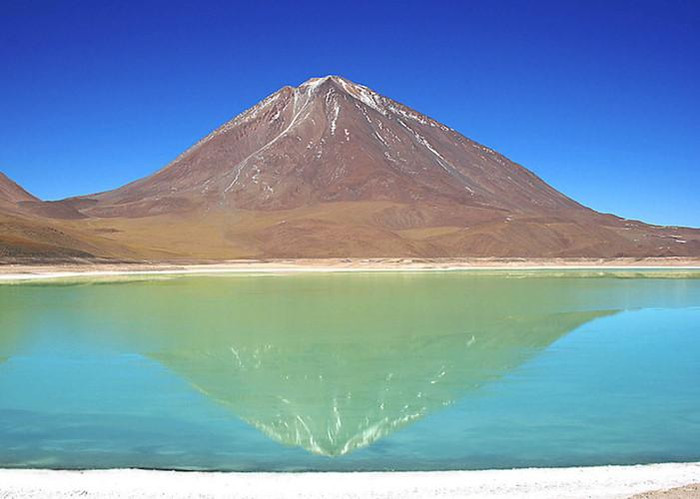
point(333, 169)
point(331, 140)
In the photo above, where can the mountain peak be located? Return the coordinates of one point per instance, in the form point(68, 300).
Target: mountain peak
point(356, 90)
point(316, 80)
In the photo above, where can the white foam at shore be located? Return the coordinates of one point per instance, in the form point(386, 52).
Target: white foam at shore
point(265, 269)
point(541, 483)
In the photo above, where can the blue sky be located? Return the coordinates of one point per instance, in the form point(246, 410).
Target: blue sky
point(599, 98)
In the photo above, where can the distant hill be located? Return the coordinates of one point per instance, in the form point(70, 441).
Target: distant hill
point(11, 192)
point(30, 228)
point(333, 169)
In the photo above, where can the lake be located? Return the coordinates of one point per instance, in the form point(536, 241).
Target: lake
point(361, 371)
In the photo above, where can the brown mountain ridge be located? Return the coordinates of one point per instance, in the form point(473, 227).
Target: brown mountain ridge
point(332, 169)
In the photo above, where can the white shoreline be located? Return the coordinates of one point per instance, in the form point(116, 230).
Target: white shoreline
point(541, 483)
point(264, 269)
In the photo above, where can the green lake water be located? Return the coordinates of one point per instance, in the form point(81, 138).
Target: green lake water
point(365, 371)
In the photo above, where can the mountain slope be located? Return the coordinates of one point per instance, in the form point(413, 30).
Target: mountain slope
point(12, 193)
point(333, 169)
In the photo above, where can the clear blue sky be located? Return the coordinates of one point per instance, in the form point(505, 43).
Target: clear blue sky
point(600, 98)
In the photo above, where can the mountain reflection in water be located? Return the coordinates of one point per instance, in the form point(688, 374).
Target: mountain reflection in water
point(333, 363)
point(333, 397)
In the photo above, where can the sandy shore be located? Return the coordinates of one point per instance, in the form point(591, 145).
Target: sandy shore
point(689, 491)
point(597, 482)
point(43, 270)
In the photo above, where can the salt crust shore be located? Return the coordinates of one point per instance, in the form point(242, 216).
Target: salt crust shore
point(541, 483)
point(31, 271)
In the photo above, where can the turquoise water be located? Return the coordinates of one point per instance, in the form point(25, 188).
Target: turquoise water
point(424, 371)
